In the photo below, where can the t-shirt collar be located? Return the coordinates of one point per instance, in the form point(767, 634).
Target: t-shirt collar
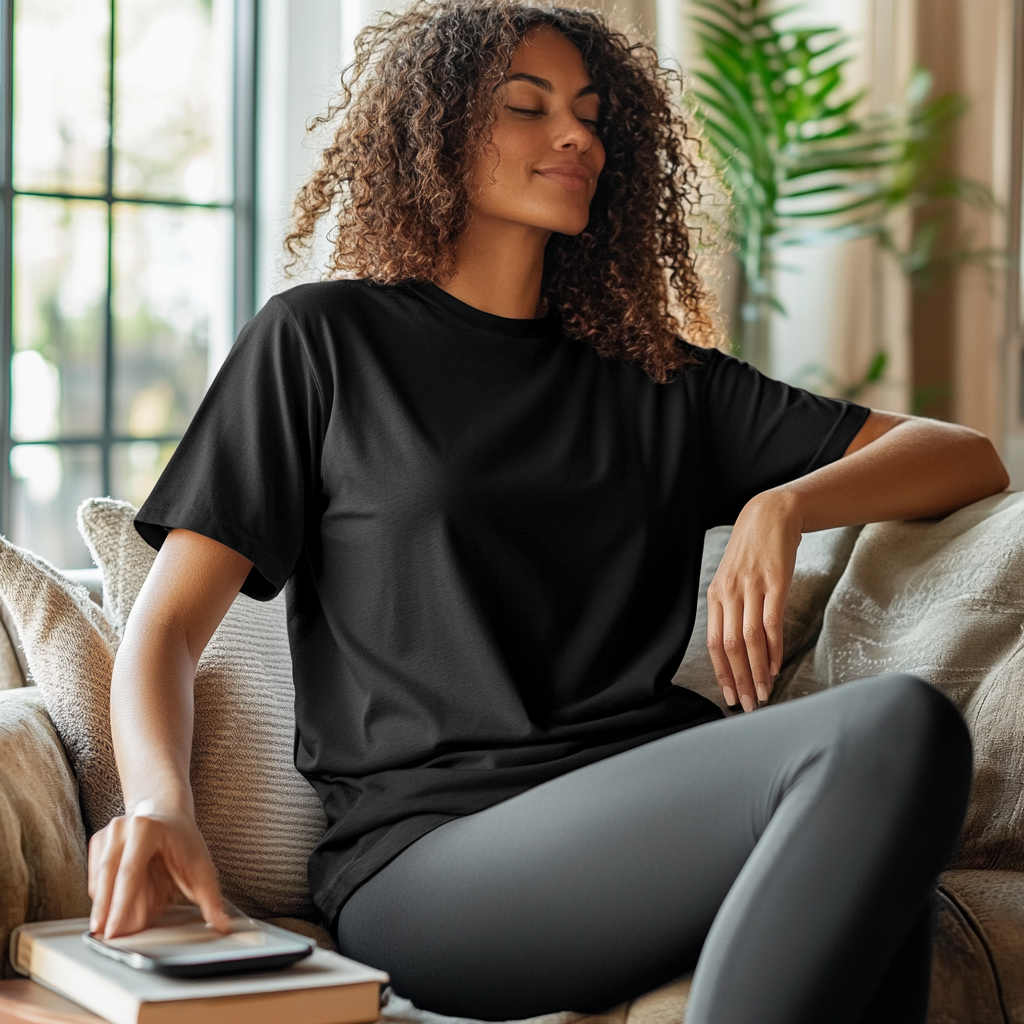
point(532, 328)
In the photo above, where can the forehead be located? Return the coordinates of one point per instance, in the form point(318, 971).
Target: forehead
point(546, 53)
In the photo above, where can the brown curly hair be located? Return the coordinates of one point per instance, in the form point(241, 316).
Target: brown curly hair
point(416, 106)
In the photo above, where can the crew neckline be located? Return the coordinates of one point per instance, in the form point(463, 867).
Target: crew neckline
point(534, 327)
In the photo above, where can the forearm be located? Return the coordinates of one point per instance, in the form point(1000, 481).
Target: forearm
point(896, 468)
point(139, 859)
point(151, 701)
point(188, 591)
point(919, 468)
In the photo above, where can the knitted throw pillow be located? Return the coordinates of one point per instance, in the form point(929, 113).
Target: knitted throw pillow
point(260, 818)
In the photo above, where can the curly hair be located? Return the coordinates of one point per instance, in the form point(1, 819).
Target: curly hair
point(416, 106)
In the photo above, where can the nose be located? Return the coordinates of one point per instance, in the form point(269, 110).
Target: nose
point(573, 134)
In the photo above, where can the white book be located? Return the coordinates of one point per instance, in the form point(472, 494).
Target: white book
point(325, 988)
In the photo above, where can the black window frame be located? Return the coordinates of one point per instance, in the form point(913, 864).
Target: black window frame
point(242, 206)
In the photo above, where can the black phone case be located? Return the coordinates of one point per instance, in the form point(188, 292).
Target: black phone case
point(202, 967)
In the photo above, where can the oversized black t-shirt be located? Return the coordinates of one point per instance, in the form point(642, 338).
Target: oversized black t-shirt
point(490, 536)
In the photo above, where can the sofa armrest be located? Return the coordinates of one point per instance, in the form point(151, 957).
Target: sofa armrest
point(978, 962)
point(42, 839)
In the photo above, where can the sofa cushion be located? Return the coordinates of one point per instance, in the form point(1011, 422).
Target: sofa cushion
point(665, 1005)
point(42, 842)
point(260, 818)
point(943, 600)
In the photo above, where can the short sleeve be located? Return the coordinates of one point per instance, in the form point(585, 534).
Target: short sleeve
point(762, 433)
point(247, 470)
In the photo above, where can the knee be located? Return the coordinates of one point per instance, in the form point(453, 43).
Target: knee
point(906, 702)
point(919, 730)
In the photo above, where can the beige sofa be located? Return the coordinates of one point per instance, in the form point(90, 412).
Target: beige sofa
point(943, 599)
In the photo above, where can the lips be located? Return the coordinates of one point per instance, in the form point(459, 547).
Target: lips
point(570, 176)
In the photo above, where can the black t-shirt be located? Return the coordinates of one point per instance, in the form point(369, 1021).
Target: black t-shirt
point(491, 539)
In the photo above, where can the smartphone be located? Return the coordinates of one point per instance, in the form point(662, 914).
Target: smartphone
point(181, 944)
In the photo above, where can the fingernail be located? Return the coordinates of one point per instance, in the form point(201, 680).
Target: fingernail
point(730, 696)
point(747, 701)
point(762, 693)
point(774, 668)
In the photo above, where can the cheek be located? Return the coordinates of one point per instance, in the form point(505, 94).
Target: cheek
point(501, 171)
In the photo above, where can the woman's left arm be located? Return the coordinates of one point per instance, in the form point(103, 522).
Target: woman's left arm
point(897, 467)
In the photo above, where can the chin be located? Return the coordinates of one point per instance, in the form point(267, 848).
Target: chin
point(567, 225)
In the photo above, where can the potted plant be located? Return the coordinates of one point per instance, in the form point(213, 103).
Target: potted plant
point(803, 162)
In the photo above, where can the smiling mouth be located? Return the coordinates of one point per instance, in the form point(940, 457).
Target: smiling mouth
point(571, 177)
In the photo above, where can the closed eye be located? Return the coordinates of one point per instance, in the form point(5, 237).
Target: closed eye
point(591, 124)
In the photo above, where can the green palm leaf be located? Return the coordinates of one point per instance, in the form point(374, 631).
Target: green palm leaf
point(785, 132)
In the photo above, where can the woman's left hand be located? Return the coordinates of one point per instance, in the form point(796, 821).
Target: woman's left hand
point(747, 598)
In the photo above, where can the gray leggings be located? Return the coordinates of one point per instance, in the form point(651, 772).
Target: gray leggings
point(789, 855)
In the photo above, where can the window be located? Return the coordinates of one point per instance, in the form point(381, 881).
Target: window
point(127, 197)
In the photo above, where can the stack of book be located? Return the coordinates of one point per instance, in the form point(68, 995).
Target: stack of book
point(325, 988)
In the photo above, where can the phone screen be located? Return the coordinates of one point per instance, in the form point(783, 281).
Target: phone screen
point(181, 943)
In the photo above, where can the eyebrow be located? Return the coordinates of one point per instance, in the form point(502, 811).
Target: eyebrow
point(543, 83)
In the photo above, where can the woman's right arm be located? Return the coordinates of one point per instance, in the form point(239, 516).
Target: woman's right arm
point(138, 861)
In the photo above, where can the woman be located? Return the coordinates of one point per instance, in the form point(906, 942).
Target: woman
point(484, 468)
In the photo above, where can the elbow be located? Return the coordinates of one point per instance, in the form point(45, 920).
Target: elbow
point(1004, 477)
point(992, 474)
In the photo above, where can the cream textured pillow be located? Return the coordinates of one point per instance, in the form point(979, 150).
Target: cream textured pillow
point(945, 601)
point(69, 645)
point(260, 818)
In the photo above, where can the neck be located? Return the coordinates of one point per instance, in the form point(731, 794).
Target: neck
point(500, 267)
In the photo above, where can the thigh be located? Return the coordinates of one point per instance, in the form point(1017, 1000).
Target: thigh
point(604, 883)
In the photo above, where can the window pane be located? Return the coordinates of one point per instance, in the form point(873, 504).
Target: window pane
point(136, 467)
point(48, 483)
point(60, 281)
point(61, 81)
point(171, 313)
point(173, 93)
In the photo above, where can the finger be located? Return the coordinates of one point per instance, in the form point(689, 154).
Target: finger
point(103, 868)
point(723, 673)
point(198, 881)
point(756, 643)
point(97, 846)
point(774, 617)
point(133, 901)
point(736, 651)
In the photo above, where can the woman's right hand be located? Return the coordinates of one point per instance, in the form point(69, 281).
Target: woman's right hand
point(140, 861)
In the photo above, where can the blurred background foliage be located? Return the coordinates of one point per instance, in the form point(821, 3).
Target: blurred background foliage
point(805, 162)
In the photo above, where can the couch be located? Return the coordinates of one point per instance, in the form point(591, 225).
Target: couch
point(943, 599)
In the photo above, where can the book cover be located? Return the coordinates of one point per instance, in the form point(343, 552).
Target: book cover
point(326, 988)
